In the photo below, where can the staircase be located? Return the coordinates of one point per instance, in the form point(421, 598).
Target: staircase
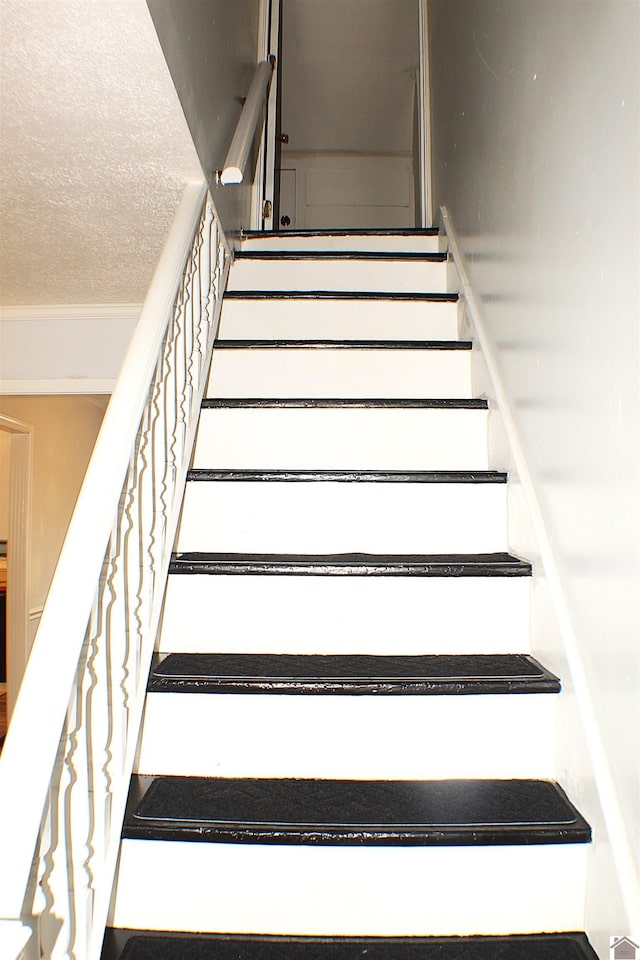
point(348, 749)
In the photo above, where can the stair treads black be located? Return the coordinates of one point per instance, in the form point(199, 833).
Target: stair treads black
point(374, 255)
point(353, 564)
point(339, 295)
point(314, 403)
point(151, 945)
point(356, 812)
point(349, 476)
point(343, 344)
point(346, 232)
point(353, 674)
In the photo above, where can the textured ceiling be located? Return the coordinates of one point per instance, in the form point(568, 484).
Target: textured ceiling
point(348, 75)
point(94, 151)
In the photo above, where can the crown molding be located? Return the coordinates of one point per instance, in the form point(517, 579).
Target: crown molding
point(64, 387)
point(72, 311)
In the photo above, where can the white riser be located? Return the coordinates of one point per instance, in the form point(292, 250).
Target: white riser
point(340, 373)
point(353, 243)
point(329, 517)
point(377, 276)
point(349, 737)
point(375, 615)
point(284, 319)
point(333, 438)
point(385, 891)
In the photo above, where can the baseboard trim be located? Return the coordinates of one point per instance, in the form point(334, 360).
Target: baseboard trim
point(618, 837)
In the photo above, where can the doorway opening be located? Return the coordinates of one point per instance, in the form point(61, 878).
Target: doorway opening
point(16, 439)
point(351, 115)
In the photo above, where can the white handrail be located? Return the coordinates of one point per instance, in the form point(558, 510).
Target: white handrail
point(138, 457)
point(233, 171)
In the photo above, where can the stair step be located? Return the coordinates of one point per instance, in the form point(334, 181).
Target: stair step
point(298, 613)
point(355, 858)
point(399, 241)
point(325, 433)
point(369, 728)
point(282, 314)
point(331, 516)
point(382, 675)
point(340, 271)
point(322, 368)
point(351, 858)
point(163, 945)
point(347, 717)
point(352, 564)
point(353, 812)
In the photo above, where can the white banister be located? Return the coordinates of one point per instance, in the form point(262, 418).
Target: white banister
point(237, 156)
point(68, 755)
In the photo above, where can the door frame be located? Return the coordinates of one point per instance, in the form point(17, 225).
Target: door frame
point(424, 117)
point(266, 186)
point(18, 553)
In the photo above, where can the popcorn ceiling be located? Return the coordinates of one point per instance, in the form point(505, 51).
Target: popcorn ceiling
point(94, 151)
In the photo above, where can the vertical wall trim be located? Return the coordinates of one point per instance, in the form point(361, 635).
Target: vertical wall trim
point(258, 188)
point(18, 554)
point(271, 125)
point(425, 117)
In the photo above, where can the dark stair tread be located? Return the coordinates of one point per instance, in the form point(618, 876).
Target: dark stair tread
point(342, 232)
point(392, 296)
point(159, 945)
point(351, 674)
point(353, 564)
point(402, 403)
point(352, 812)
point(321, 255)
point(319, 344)
point(350, 476)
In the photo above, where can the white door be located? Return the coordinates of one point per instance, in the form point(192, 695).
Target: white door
point(288, 218)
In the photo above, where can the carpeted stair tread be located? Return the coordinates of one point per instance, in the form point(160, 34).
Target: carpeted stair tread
point(393, 297)
point(284, 344)
point(346, 403)
point(352, 674)
point(319, 255)
point(352, 564)
point(352, 812)
point(152, 945)
point(342, 232)
point(351, 476)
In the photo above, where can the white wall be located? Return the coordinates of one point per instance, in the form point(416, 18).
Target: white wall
point(65, 349)
point(211, 50)
point(535, 122)
point(348, 75)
